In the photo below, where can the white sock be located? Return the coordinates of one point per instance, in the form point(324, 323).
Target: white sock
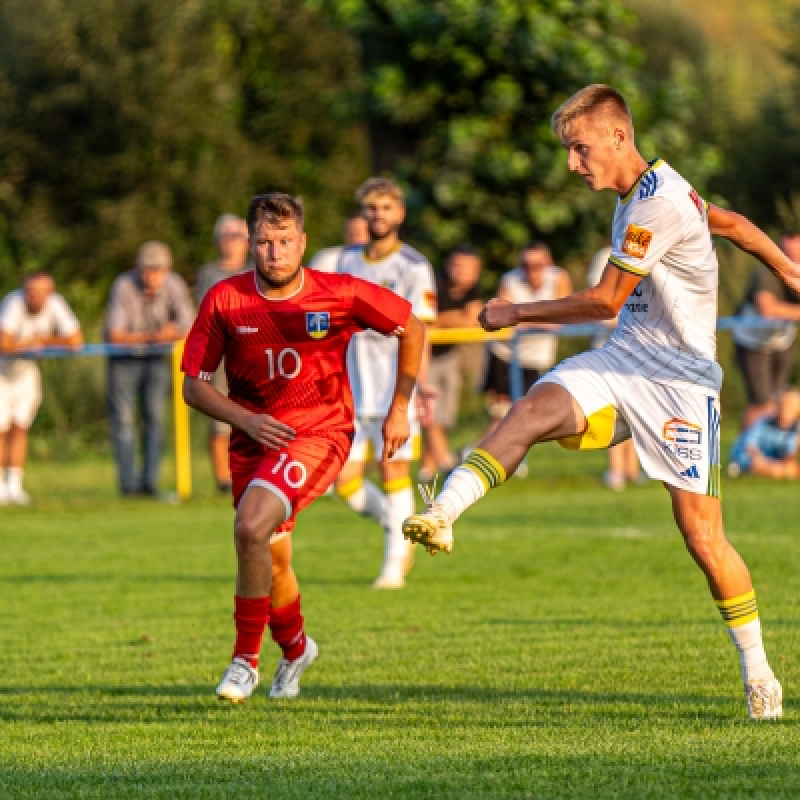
point(14, 479)
point(366, 498)
point(399, 506)
point(752, 656)
point(462, 489)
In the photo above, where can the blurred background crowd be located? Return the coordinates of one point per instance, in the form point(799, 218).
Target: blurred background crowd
point(131, 137)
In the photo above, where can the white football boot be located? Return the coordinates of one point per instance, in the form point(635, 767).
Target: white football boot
point(431, 528)
point(286, 682)
point(764, 699)
point(19, 497)
point(238, 682)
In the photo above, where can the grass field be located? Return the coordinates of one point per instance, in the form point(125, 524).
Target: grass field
point(568, 648)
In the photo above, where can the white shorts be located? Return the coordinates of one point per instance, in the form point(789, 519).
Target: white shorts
point(20, 399)
point(368, 441)
point(675, 430)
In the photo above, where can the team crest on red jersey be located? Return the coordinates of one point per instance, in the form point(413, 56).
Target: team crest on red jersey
point(318, 324)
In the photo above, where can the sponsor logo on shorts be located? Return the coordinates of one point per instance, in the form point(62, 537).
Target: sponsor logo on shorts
point(684, 439)
point(245, 329)
point(637, 240)
point(205, 376)
point(692, 472)
point(318, 324)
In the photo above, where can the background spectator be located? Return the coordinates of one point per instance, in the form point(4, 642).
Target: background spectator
point(765, 356)
point(536, 278)
point(623, 463)
point(769, 446)
point(149, 305)
point(231, 239)
point(30, 318)
point(459, 300)
point(356, 234)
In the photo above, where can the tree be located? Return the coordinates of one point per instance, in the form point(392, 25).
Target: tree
point(459, 95)
point(121, 122)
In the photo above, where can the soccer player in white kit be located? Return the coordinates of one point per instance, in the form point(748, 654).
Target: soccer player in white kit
point(371, 359)
point(655, 380)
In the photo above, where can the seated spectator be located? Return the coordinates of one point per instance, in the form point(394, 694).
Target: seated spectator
point(356, 234)
point(149, 305)
point(31, 318)
point(765, 355)
point(769, 446)
point(232, 241)
point(536, 278)
point(459, 301)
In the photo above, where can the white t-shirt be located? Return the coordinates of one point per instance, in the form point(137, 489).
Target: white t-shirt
point(372, 358)
point(537, 351)
point(55, 319)
point(667, 327)
point(327, 259)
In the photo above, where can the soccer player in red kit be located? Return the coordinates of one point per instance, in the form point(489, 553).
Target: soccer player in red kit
point(283, 331)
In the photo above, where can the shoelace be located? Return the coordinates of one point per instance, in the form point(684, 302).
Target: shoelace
point(428, 493)
point(760, 697)
point(239, 673)
point(282, 674)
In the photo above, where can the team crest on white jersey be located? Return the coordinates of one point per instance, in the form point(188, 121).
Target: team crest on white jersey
point(318, 324)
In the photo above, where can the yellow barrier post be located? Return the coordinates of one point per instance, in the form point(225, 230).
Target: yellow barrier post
point(183, 455)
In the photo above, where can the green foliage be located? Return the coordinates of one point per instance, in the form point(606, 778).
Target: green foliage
point(121, 122)
point(459, 95)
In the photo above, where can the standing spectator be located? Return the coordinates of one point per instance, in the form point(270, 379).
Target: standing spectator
point(30, 318)
point(623, 463)
point(356, 234)
point(769, 446)
point(536, 278)
point(459, 300)
point(231, 239)
point(765, 355)
point(149, 305)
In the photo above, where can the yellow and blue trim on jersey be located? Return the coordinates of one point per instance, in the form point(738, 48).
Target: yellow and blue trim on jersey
point(620, 264)
point(652, 165)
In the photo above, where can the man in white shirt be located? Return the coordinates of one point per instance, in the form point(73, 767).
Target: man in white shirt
point(31, 318)
point(656, 379)
point(371, 366)
point(356, 234)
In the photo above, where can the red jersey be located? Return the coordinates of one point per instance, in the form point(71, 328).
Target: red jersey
point(286, 357)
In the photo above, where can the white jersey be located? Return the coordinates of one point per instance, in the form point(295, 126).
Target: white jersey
point(537, 351)
point(327, 259)
point(372, 358)
point(55, 319)
point(667, 327)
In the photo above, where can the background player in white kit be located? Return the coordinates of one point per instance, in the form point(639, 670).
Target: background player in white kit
point(371, 366)
point(656, 379)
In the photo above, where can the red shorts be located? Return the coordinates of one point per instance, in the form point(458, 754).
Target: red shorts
point(298, 473)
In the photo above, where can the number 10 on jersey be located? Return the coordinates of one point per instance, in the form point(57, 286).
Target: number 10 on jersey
point(287, 363)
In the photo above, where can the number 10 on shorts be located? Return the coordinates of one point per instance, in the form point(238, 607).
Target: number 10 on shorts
point(294, 473)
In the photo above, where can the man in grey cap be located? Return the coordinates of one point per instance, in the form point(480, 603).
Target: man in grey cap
point(149, 305)
point(231, 239)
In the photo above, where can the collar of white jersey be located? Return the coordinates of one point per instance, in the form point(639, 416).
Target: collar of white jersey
point(280, 299)
point(651, 165)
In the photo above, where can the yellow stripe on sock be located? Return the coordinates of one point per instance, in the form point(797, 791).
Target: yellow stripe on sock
point(347, 490)
point(739, 610)
point(397, 485)
point(491, 468)
point(484, 480)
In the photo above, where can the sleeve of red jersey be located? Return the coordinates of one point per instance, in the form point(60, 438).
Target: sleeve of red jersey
point(205, 343)
point(379, 308)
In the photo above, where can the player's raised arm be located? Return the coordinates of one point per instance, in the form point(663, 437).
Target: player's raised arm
point(600, 302)
point(746, 236)
point(396, 429)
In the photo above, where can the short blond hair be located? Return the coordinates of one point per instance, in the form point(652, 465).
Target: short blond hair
point(594, 99)
point(381, 186)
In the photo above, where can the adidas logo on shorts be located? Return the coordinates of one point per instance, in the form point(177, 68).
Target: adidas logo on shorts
point(692, 472)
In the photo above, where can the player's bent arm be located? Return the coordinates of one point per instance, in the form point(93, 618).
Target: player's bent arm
point(769, 306)
point(750, 238)
point(262, 428)
point(409, 357)
point(601, 302)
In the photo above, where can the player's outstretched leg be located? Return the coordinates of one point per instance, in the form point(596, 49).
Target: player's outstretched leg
point(259, 513)
point(699, 518)
point(547, 412)
point(363, 497)
point(286, 622)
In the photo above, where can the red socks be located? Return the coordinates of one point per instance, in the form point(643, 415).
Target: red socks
point(251, 615)
point(286, 626)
